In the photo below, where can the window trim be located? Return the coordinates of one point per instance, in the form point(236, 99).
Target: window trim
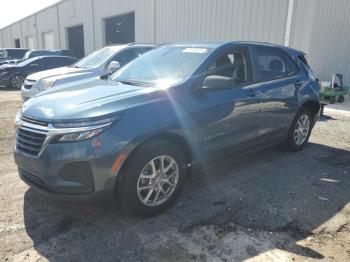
point(255, 62)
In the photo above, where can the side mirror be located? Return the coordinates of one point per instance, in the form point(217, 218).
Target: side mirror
point(112, 67)
point(216, 82)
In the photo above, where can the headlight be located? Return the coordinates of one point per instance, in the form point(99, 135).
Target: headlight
point(45, 84)
point(18, 118)
point(79, 131)
point(79, 136)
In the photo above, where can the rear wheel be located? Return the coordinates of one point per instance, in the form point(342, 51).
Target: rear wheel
point(152, 178)
point(17, 81)
point(300, 130)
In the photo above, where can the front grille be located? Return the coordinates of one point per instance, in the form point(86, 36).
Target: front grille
point(35, 122)
point(29, 141)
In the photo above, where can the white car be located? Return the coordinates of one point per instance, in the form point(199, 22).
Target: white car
point(102, 62)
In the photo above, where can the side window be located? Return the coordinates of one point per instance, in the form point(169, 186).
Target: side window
point(124, 57)
point(290, 65)
point(141, 50)
point(234, 64)
point(37, 62)
point(270, 63)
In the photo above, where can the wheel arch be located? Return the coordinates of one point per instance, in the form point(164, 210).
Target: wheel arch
point(172, 137)
point(312, 105)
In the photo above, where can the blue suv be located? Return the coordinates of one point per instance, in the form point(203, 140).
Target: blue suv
point(136, 134)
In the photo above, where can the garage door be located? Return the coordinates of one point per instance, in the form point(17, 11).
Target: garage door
point(120, 29)
point(48, 40)
point(30, 42)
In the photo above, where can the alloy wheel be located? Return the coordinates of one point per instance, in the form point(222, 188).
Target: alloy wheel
point(17, 81)
point(302, 129)
point(158, 180)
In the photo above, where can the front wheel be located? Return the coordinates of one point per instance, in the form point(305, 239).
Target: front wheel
point(17, 81)
point(152, 178)
point(300, 130)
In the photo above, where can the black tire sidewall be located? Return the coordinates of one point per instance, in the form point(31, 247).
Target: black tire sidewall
point(129, 197)
point(290, 141)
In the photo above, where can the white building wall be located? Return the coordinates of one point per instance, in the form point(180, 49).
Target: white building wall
point(46, 21)
point(73, 13)
point(144, 18)
point(29, 30)
point(7, 37)
point(321, 28)
point(330, 39)
point(16, 33)
point(253, 20)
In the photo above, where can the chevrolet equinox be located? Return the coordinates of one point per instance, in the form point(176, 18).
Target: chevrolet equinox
point(136, 134)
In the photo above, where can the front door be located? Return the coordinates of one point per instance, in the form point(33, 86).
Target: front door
point(228, 119)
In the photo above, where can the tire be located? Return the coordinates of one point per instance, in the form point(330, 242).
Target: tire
point(16, 81)
point(341, 99)
point(138, 200)
point(293, 143)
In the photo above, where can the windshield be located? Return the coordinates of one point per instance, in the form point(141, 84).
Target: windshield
point(3, 54)
point(96, 58)
point(167, 65)
point(27, 55)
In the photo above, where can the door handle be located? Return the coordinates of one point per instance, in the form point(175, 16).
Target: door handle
point(298, 83)
point(254, 93)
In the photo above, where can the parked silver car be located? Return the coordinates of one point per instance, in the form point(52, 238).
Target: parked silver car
point(101, 62)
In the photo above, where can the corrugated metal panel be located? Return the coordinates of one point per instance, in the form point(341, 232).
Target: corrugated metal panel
point(16, 33)
point(329, 44)
point(47, 22)
point(144, 17)
point(303, 17)
point(76, 12)
point(7, 37)
point(29, 30)
point(254, 20)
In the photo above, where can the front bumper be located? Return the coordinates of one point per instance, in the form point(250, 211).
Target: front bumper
point(73, 171)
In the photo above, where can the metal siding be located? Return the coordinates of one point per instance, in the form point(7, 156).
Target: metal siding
point(29, 29)
point(16, 33)
point(143, 17)
point(76, 12)
point(256, 20)
point(7, 37)
point(47, 22)
point(322, 29)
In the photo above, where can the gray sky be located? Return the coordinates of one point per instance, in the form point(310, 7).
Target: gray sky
point(14, 10)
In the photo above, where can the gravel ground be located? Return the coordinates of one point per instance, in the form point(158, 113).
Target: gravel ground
point(272, 205)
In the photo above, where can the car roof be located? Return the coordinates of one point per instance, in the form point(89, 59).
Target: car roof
point(215, 45)
point(121, 46)
point(54, 56)
point(20, 49)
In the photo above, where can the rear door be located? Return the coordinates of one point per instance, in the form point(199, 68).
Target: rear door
point(277, 81)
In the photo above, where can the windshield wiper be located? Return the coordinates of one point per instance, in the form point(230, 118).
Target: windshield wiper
point(133, 83)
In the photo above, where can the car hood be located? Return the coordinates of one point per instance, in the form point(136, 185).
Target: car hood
point(58, 72)
point(90, 99)
point(8, 66)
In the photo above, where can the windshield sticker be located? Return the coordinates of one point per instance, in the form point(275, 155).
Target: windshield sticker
point(195, 50)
